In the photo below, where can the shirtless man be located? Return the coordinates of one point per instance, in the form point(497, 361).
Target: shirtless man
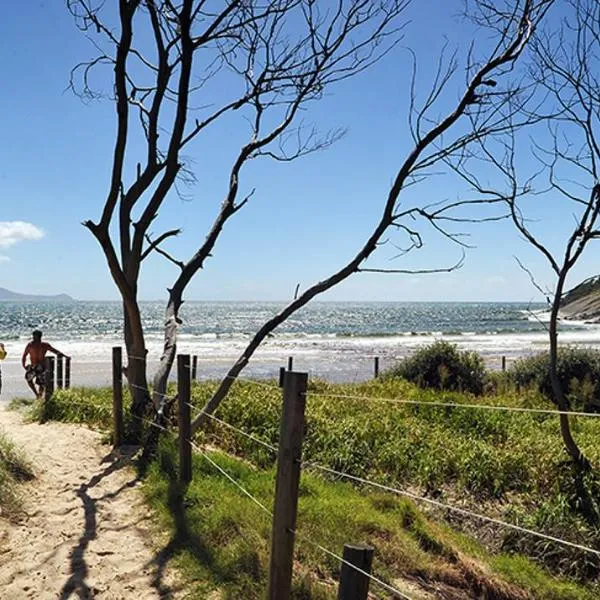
point(34, 371)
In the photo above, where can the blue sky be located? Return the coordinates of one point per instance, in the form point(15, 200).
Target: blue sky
point(306, 218)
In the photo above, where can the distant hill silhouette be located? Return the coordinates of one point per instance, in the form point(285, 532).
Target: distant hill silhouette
point(582, 303)
point(8, 296)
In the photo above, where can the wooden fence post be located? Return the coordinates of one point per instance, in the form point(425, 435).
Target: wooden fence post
point(49, 378)
point(117, 377)
point(376, 367)
point(290, 363)
point(194, 367)
point(354, 585)
point(281, 376)
point(68, 373)
point(185, 427)
point(59, 372)
point(504, 363)
point(286, 486)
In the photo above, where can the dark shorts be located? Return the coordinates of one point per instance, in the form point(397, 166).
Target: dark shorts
point(35, 373)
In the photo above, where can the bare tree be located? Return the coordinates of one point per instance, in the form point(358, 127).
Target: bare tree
point(169, 55)
point(285, 53)
point(565, 143)
point(487, 107)
point(567, 64)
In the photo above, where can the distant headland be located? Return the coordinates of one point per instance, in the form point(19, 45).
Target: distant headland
point(582, 303)
point(8, 296)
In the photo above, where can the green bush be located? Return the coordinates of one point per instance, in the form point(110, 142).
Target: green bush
point(578, 372)
point(442, 366)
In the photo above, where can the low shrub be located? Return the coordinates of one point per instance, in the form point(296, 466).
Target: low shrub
point(578, 372)
point(443, 366)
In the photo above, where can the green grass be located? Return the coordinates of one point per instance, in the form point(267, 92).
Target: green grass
point(14, 469)
point(219, 539)
point(508, 465)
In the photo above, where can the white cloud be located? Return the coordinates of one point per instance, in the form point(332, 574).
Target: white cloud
point(4, 259)
point(13, 232)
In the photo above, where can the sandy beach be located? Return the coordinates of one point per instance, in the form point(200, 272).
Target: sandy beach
point(86, 532)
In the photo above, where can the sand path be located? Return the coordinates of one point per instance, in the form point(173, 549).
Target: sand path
point(86, 532)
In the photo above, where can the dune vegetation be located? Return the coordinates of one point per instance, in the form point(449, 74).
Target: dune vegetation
point(507, 465)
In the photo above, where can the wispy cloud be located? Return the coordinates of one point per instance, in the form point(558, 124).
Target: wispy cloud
point(4, 259)
point(13, 232)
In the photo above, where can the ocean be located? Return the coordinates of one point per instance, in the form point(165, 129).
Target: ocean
point(335, 340)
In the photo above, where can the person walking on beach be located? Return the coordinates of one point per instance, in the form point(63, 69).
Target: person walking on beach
point(35, 370)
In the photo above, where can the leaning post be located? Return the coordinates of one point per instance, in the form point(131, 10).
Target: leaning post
point(354, 584)
point(117, 380)
point(287, 485)
point(185, 425)
point(376, 367)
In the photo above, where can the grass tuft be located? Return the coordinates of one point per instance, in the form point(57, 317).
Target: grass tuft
point(14, 469)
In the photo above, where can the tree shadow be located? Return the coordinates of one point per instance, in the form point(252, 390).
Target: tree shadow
point(76, 584)
point(183, 539)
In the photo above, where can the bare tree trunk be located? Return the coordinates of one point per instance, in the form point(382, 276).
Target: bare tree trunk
point(167, 359)
point(559, 395)
point(136, 356)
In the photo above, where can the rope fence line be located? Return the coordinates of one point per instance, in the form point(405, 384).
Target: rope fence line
point(361, 480)
point(236, 429)
point(143, 389)
point(437, 404)
point(357, 479)
point(418, 498)
point(376, 580)
point(230, 478)
point(449, 507)
point(295, 533)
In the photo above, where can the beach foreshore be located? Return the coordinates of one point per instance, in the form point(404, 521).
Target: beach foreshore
point(337, 359)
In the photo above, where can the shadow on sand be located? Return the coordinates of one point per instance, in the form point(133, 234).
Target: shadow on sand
point(76, 583)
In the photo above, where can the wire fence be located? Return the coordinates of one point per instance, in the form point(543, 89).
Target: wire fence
point(363, 481)
point(456, 405)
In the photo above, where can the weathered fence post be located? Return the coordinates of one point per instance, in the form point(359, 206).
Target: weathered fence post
point(185, 428)
point(59, 372)
point(49, 378)
point(504, 363)
point(290, 363)
point(194, 367)
point(117, 377)
point(281, 376)
point(286, 486)
point(68, 373)
point(376, 367)
point(354, 585)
